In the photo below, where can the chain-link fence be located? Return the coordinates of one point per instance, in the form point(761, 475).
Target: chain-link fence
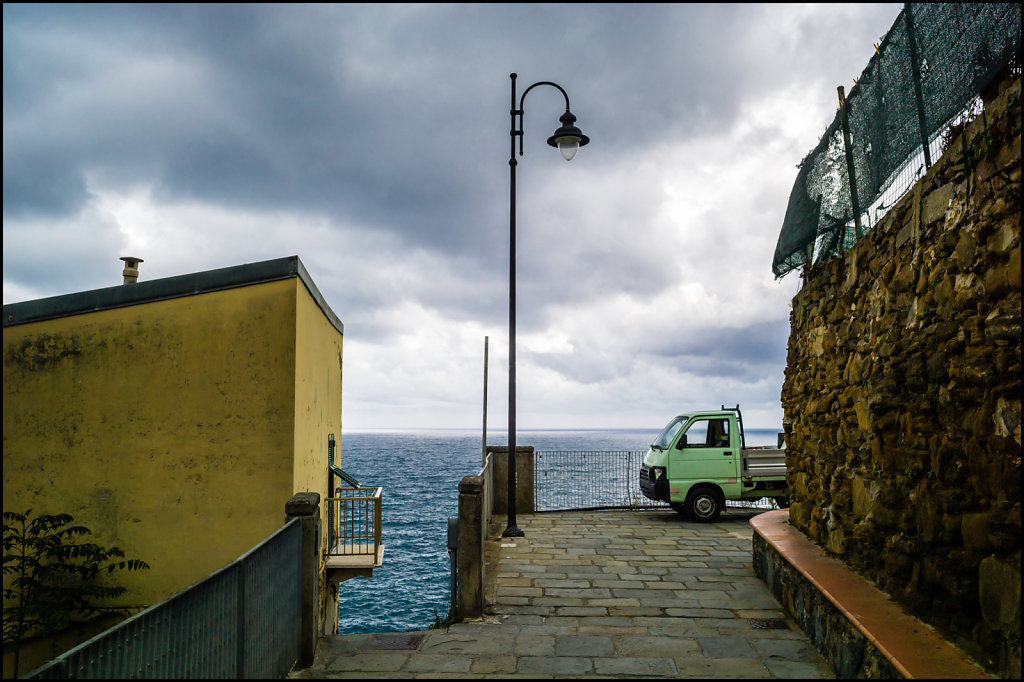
point(930, 71)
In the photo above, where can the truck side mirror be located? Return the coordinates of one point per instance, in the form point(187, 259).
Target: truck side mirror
point(682, 442)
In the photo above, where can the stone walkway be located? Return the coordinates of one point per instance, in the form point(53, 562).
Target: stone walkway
point(603, 594)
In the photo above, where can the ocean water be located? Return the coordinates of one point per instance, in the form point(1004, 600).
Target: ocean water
point(420, 473)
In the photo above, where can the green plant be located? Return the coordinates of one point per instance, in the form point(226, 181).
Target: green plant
point(439, 624)
point(56, 580)
point(910, 472)
point(1012, 640)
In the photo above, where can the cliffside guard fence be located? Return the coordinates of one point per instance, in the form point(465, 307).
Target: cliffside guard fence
point(578, 480)
point(926, 75)
point(242, 621)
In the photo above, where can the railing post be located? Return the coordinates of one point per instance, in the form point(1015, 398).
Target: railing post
point(470, 552)
point(848, 147)
point(306, 506)
point(377, 521)
point(915, 69)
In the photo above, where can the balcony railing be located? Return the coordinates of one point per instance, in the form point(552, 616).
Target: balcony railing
point(354, 526)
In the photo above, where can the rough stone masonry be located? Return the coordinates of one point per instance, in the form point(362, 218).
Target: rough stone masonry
point(902, 395)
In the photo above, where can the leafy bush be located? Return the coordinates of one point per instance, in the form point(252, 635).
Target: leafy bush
point(57, 580)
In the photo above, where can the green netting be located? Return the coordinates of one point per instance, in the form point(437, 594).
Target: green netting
point(958, 49)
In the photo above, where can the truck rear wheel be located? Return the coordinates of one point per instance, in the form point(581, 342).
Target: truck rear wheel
point(703, 505)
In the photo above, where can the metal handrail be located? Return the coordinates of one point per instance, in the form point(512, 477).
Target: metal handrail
point(355, 527)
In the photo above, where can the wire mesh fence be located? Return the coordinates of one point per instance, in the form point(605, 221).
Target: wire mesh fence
point(241, 621)
point(567, 480)
point(930, 72)
point(588, 479)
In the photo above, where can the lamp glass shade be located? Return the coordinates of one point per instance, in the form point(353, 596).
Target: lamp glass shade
point(568, 146)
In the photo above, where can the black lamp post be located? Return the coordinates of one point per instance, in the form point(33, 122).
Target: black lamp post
point(568, 138)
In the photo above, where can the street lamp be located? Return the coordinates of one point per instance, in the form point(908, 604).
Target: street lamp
point(568, 138)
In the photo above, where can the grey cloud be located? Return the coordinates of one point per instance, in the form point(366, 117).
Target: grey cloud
point(710, 352)
point(303, 127)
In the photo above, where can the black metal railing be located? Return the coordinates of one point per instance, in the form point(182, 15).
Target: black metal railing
point(243, 621)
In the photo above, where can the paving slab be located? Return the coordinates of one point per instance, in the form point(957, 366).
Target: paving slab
point(608, 593)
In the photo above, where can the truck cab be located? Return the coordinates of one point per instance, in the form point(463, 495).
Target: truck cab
point(700, 460)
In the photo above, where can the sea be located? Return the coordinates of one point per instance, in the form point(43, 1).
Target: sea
point(420, 471)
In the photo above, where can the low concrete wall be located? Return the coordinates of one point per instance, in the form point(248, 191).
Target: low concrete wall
point(833, 635)
point(480, 497)
point(524, 478)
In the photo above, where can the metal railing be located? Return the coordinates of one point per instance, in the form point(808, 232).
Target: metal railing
point(588, 479)
point(597, 479)
point(243, 621)
point(355, 522)
point(487, 473)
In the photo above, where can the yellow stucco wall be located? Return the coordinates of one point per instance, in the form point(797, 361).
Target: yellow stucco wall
point(318, 352)
point(169, 427)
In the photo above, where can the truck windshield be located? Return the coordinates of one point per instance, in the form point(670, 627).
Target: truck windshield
point(668, 434)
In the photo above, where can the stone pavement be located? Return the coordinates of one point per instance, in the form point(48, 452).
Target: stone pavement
point(603, 594)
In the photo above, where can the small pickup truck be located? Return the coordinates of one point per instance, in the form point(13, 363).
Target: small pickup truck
point(700, 460)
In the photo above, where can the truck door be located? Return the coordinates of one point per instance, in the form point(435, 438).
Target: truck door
point(706, 454)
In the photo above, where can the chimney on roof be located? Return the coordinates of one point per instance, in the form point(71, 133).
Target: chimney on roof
point(131, 269)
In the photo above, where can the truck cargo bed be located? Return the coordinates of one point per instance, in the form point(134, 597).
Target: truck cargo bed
point(763, 462)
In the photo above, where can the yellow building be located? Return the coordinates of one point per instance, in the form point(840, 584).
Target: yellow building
point(173, 417)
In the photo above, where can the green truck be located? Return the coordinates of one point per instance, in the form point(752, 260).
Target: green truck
point(700, 460)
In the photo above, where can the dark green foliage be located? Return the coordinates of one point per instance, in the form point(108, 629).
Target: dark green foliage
point(57, 580)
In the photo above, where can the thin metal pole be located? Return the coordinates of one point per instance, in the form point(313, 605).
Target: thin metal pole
point(511, 529)
point(483, 447)
point(854, 200)
point(915, 69)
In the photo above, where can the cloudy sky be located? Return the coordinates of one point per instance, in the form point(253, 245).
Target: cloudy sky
point(373, 140)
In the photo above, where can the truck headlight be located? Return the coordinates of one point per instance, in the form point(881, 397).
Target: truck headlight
point(657, 473)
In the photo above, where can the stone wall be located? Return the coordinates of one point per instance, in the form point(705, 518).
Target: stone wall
point(902, 395)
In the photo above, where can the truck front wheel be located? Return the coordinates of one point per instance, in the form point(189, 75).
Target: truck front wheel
point(703, 505)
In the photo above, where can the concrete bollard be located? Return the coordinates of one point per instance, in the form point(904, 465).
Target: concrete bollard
point(524, 479)
point(469, 593)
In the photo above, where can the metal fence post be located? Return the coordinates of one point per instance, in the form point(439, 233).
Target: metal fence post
point(854, 200)
point(241, 640)
point(306, 506)
point(916, 71)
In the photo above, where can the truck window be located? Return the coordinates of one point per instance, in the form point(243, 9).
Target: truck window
point(697, 434)
point(668, 434)
point(708, 433)
point(718, 433)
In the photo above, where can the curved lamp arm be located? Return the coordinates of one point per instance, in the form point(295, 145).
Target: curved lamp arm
point(568, 138)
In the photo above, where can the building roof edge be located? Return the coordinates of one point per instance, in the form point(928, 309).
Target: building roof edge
point(165, 288)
